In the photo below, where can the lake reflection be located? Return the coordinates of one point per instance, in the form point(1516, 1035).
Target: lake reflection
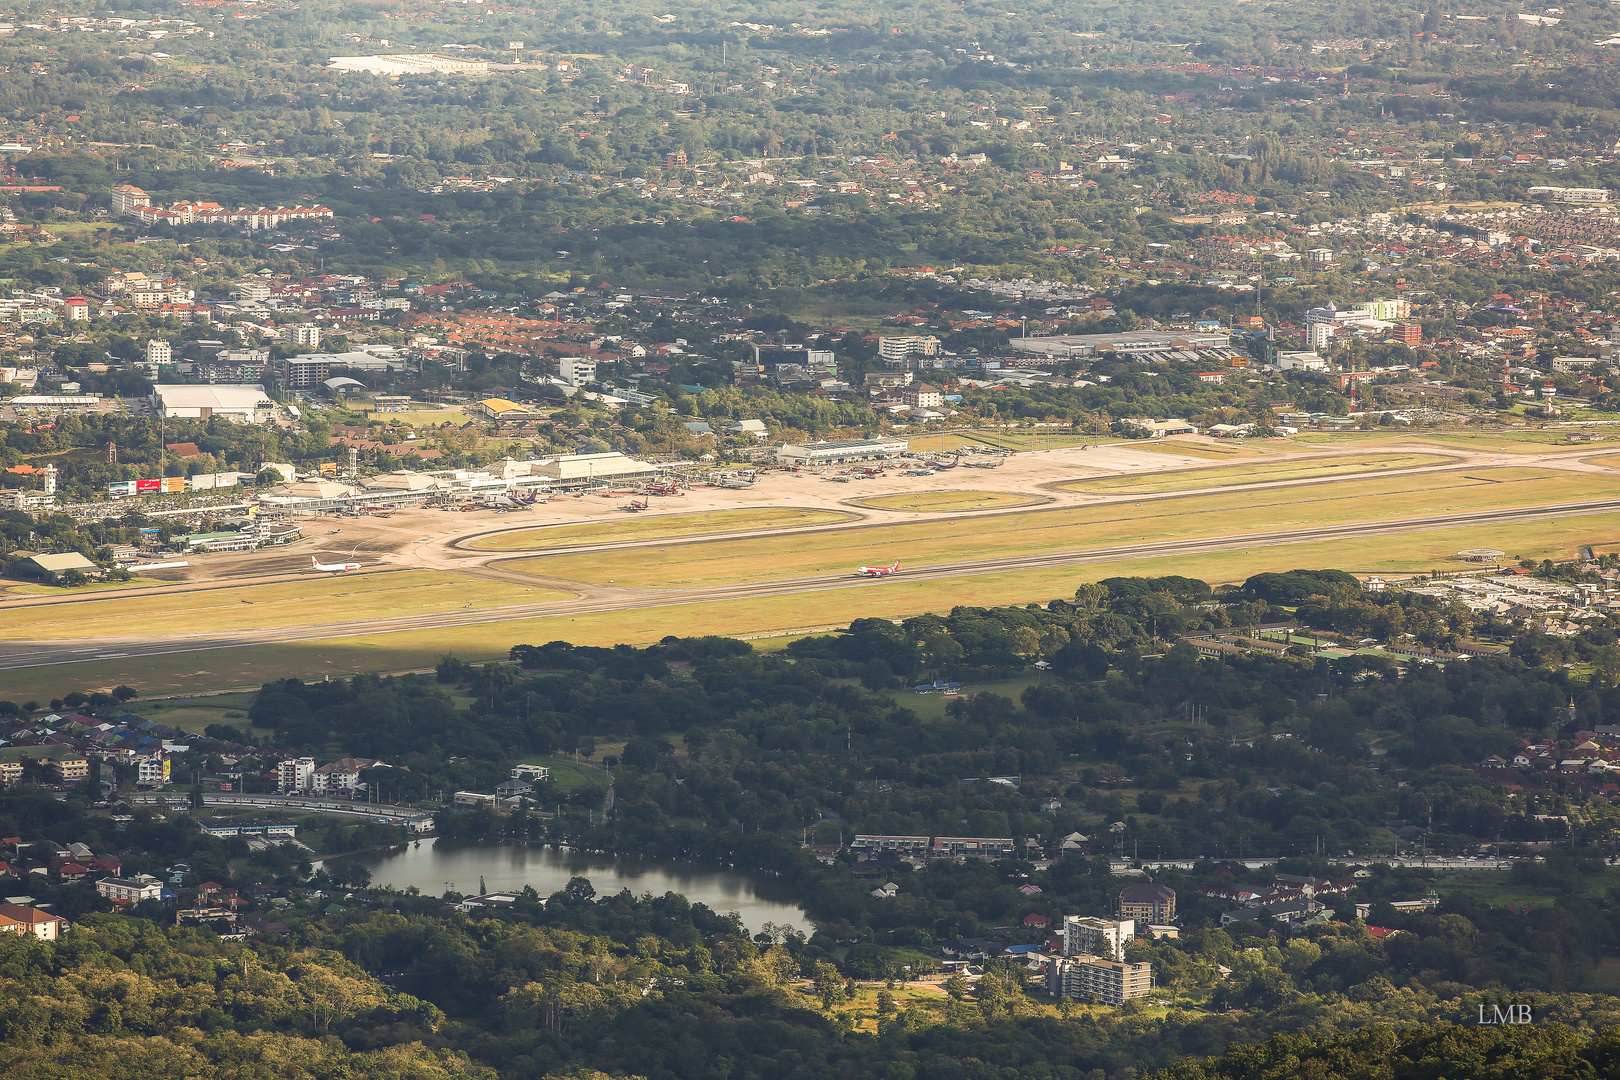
point(458, 865)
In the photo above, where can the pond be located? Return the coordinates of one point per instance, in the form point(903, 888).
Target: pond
point(458, 865)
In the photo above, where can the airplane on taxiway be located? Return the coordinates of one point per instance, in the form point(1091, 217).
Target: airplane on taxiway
point(333, 568)
point(878, 571)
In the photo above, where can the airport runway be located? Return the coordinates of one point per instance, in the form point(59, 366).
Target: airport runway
point(25, 654)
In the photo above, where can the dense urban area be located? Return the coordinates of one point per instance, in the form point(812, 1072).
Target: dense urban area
point(726, 541)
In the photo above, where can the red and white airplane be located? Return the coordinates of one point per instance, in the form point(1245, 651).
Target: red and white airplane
point(333, 568)
point(878, 571)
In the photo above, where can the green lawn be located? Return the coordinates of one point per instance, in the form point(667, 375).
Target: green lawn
point(569, 777)
point(933, 706)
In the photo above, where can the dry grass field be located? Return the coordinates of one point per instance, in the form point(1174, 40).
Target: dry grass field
point(949, 502)
point(666, 527)
point(325, 600)
point(791, 614)
point(1254, 472)
point(1072, 529)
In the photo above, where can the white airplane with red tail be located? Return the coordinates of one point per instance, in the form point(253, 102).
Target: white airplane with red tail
point(878, 571)
point(333, 568)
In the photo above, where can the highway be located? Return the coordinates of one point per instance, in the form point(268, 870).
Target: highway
point(25, 654)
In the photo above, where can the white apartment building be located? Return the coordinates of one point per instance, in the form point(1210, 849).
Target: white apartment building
point(126, 197)
point(131, 890)
point(1087, 934)
point(253, 290)
point(158, 352)
point(576, 370)
point(295, 774)
point(335, 776)
point(1108, 982)
point(304, 335)
point(905, 348)
point(152, 770)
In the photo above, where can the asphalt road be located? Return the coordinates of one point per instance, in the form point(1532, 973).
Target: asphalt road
point(24, 654)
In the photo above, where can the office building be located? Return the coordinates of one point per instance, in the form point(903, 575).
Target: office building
point(158, 352)
point(304, 372)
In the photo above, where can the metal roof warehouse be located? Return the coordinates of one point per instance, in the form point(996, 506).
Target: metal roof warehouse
point(832, 453)
point(1126, 342)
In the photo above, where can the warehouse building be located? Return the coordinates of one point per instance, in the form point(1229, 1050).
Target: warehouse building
point(244, 404)
point(1169, 344)
point(611, 465)
point(837, 453)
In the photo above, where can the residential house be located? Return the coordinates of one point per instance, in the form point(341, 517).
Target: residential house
point(23, 919)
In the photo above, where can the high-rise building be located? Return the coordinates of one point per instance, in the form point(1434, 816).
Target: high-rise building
point(1099, 937)
point(295, 774)
point(1409, 334)
point(1108, 982)
point(576, 370)
point(304, 372)
point(126, 197)
point(904, 348)
point(158, 351)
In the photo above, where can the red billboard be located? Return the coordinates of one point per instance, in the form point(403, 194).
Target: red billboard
point(143, 486)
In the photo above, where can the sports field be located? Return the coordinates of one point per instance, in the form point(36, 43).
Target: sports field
point(668, 527)
point(1032, 532)
point(790, 614)
point(949, 502)
point(316, 601)
point(1257, 472)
